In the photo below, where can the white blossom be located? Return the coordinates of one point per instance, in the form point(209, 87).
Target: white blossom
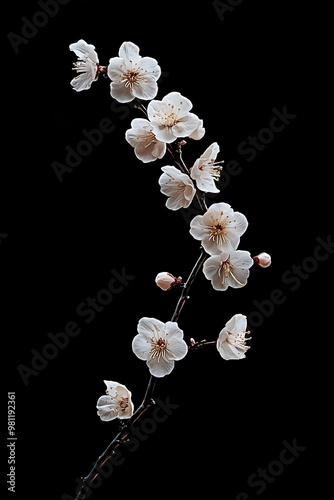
point(228, 269)
point(87, 65)
point(231, 342)
point(159, 344)
point(177, 186)
point(172, 117)
point(219, 229)
point(206, 171)
point(116, 403)
point(142, 138)
point(132, 75)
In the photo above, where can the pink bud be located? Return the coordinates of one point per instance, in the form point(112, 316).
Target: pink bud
point(263, 259)
point(166, 281)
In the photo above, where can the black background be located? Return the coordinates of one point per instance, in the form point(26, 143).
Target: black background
point(64, 239)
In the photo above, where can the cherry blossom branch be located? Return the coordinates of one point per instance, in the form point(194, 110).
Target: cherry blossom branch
point(120, 439)
point(125, 433)
point(167, 125)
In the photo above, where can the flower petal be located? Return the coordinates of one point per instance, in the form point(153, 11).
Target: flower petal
point(186, 125)
point(105, 401)
point(198, 133)
point(141, 346)
point(211, 266)
point(120, 92)
point(238, 323)
point(84, 50)
point(165, 134)
point(241, 259)
point(82, 82)
point(178, 348)
point(151, 67)
point(230, 352)
point(115, 69)
point(197, 229)
point(111, 387)
point(173, 329)
point(236, 228)
point(106, 415)
point(146, 154)
point(160, 368)
point(181, 103)
point(146, 90)
point(210, 153)
point(150, 327)
point(129, 51)
point(206, 183)
point(107, 408)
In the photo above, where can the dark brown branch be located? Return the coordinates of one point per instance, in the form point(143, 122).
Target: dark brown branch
point(119, 440)
point(186, 287)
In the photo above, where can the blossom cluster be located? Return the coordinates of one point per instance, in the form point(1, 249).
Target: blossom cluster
point(219, 228)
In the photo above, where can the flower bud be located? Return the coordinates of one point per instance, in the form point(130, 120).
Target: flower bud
point(166, 281)
point(263, 259)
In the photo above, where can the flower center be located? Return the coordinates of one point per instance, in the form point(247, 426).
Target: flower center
point(87, 66)
point(81, 66)
point(238, 340)
point(169, 119)
point(214, 168)
point(169, 116)
point(218, 232)
point(149, 139)
point(159, 348)
point(131, 78)
point(123, 403)
point(226, 270)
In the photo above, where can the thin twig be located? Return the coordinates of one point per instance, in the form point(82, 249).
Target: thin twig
point(185, 290)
